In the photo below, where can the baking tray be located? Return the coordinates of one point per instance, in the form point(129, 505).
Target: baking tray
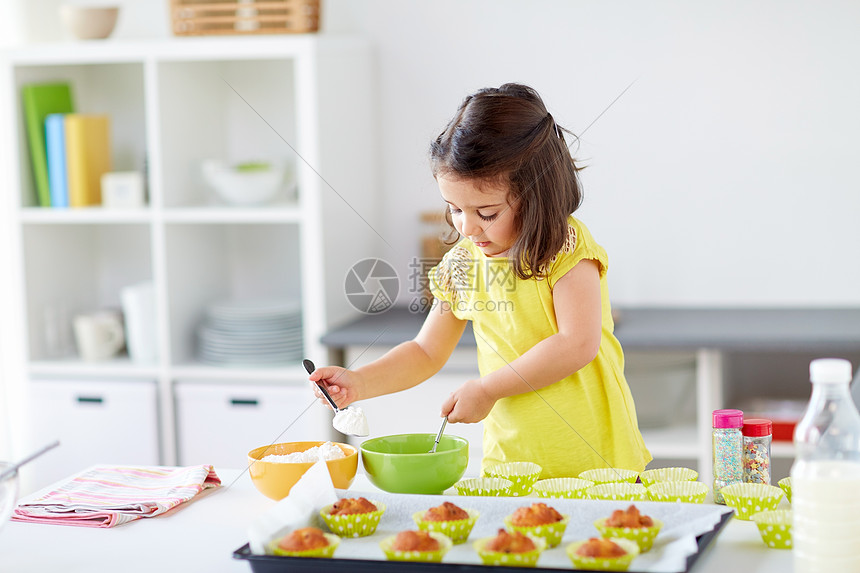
point(278, 564)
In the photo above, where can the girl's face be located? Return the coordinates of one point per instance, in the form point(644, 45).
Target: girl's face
point(480, 212)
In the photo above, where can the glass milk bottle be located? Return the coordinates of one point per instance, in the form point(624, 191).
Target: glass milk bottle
point(825, 477)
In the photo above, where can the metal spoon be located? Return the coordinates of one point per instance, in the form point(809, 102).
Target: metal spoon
point(14, 467)
point(349, 420)
point(439, 436)
point(309, 366)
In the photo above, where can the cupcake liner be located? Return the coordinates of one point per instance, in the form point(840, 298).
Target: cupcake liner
point(643, 537)
point(522, 476)
point(493, 487)
point(457, 530)
point(620, 491)
point(609, 475)
point(568, 488)
point(751, 498)
point(650, 477)
point(327, 551)
point(683, 491)
point(785, 484)
point(604, 563)
point(527, 559)
point(354, 525)
point(775, 528)
point(427, 556)
point(549, 532)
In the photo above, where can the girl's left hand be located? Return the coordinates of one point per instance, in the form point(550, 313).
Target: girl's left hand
point(470, 403)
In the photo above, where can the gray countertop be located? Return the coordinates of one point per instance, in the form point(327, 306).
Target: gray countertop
point(736, 329)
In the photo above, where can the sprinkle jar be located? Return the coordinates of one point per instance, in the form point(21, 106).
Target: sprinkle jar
point(727, 447)
point(757, 434)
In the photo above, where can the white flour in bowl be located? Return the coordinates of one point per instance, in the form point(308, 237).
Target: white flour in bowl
point(326, 451)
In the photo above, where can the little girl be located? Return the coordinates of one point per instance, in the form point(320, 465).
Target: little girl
point(532, 280)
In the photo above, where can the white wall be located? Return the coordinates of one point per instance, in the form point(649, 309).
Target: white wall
point(724, 176)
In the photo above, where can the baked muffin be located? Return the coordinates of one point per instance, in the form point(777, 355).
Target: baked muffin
point(602, 548)
point(510, 542)
point(303, 539)
point(510, 548)
point(352, 506)
point(629, 518)
point(449, 519)
point(539, 520)
point(537, 514)
point(353, 517)
point(428, 546)
point(602, 554)
point(414, 541)
point(445, 512)
point(632, 525)
point(306, 542)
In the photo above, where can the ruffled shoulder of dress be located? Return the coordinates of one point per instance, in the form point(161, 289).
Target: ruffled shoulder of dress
point(453, 271)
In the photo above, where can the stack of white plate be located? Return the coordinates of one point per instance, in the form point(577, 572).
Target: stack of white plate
point(251, 333)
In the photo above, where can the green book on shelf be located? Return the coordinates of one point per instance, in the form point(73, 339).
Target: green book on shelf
point(40, 100)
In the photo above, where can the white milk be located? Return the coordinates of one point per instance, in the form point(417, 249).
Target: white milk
point(825, 495)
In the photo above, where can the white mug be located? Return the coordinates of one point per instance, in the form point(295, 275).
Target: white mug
point(99, 335)
point(138, 307)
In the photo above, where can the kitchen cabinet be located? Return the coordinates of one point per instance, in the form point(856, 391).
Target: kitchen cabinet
point(219, 423)
point(681, 365)
point(303, 99)
point(111, 421)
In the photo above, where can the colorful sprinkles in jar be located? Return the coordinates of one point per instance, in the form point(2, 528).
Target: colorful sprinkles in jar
point(727, 449)
point(757, 435)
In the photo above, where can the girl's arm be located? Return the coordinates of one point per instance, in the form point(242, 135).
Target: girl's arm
point(402, 367)
point(576, 299)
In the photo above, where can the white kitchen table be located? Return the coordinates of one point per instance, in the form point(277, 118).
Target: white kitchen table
point(201, 536)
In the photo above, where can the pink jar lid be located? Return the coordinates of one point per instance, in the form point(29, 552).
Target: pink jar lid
point(757, 427)
point(728, 419)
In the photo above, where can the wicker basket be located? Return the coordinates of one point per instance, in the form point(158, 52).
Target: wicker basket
point(220, 17)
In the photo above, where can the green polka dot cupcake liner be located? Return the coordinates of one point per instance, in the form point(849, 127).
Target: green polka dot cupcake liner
point(620, 563)
point(525, 559)
point(353, 525)
point(650, 477)
point(643, 537)
point(785, 484)
point(550, 532)
point(426, 556)
point(327, 551)
point(609, 475)
point(750, 498)
point(621, 491)
point(522, 475)
point(457, 530)
point(682, 491)
point(488, 487)
point(774, 526)
point(567, 488)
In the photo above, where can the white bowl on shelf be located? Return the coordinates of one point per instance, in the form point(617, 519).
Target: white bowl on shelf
point(89, 22)
point(249, 183)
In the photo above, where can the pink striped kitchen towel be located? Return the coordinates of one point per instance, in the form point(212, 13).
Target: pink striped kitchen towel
point(107, 496)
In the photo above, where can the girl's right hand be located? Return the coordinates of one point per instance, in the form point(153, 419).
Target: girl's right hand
point(340, 383)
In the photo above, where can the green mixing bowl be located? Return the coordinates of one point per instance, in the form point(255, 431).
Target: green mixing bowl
point(403, 464)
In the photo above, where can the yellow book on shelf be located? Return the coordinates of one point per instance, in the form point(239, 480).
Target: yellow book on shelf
point(88, 157)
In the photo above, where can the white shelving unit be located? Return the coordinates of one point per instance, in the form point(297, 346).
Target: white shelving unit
point(173, 103)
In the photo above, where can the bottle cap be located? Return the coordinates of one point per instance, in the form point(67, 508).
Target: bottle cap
point(757, 427)
point(830, 371)
point(728, 419)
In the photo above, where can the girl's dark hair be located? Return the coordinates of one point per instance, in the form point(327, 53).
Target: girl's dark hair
point(506, 135)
